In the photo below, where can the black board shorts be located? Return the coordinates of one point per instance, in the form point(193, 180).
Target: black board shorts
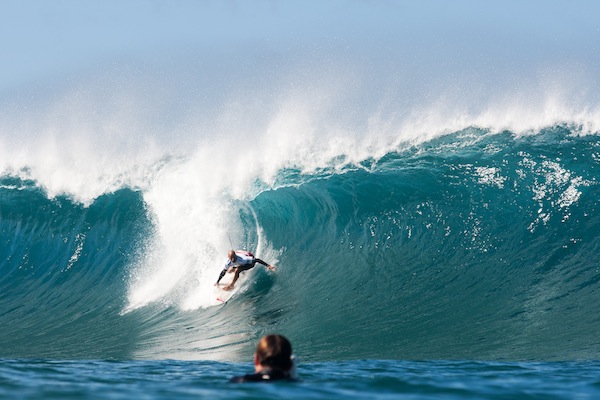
point(246, 267)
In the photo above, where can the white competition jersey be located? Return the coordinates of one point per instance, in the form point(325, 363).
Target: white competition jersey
point(241, 258)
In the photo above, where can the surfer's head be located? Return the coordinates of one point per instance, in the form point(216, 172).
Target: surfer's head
point(231, 255)
point(274, 352)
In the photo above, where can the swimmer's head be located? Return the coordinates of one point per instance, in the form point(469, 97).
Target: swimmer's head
point(275, 352)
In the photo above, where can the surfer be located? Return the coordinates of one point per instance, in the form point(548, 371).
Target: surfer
point(273, 361)
point(240, 261)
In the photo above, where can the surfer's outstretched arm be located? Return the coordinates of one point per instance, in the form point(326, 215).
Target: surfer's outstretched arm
point(258, 260)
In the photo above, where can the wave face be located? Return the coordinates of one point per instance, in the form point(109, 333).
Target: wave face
point(468, 245)
point(64, 268)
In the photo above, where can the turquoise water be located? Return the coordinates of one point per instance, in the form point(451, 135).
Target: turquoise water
point(473, 246)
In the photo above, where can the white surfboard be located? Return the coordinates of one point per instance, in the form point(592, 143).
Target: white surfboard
point(221, 296)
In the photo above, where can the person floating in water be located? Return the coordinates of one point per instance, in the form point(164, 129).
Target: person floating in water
point(273, 361)
point(240, 261)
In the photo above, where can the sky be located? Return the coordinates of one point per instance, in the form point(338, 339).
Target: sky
point(42, 40)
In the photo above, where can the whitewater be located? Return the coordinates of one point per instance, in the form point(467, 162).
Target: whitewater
point(427, 225)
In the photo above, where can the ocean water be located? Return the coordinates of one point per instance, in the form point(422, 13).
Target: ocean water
point(463, 266)
point(375, 379)
point(432, 209)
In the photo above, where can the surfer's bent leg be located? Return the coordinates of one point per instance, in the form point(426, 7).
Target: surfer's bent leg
point(239, 269)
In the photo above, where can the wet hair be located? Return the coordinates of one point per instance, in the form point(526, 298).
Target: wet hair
point(275, 351)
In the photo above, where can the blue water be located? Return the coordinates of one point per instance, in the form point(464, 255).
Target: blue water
point(333, 380)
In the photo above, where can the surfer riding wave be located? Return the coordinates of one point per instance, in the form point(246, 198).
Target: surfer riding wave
point(239, 261)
